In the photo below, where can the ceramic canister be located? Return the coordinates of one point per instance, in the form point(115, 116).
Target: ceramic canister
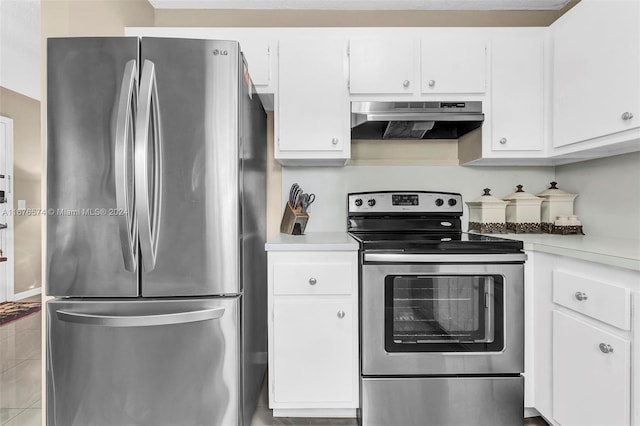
point(487, 213)
point(523, 211)
point(555, 202)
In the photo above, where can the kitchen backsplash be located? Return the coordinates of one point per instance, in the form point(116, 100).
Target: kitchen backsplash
point(332, 184)
point(608, 202)
point(609, 194)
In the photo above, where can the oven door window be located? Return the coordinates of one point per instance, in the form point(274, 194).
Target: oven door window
point(444, 313)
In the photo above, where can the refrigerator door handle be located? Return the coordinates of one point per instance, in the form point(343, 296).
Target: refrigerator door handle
point(148, 165)
point(124, 135)
point(140, 321)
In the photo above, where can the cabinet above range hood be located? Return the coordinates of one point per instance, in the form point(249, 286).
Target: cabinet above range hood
point(414, 120)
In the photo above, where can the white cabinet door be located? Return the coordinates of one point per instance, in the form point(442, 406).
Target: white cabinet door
point(591, 374)
point(312, 103)
point(313, 350)
point(517, 92)
point(383, 65)
point(257, 53)
point(596, 64)
point(453, 65)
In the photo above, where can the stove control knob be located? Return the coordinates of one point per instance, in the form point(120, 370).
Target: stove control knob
point(371, 202)
point(358, 202)
point(439, 202)
point(452, 202)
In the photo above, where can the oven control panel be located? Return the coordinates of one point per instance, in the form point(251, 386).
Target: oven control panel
point(405, 201)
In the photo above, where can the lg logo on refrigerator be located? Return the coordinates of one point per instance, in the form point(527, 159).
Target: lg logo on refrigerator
point(217, 52)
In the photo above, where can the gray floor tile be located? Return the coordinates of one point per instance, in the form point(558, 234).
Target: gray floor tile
point(535, 421)
point(262, 417)
point(28, 417)
point(334, 422)
point(20, 386)
point(7, 414)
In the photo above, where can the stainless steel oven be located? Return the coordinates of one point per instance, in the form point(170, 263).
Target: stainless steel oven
point(442, 325)
point(447, 317)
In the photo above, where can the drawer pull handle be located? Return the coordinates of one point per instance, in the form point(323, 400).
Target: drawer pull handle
point(607, 349)
point(581, 296)
point(341, 314)
point(313, 281)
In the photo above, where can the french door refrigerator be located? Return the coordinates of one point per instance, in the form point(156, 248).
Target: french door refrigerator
point(156, 159)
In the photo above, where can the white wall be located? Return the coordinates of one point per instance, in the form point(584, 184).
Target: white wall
point(332, 184)
point(608, 203)
point(20, 46)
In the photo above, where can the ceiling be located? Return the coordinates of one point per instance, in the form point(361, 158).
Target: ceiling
point(362, 4)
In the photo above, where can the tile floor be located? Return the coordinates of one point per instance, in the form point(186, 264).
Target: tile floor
point(20, 382)
point(20, 372)
point(264, 417)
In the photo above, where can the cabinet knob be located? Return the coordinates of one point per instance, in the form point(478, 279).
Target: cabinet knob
point(334, 141)
point(341, 314)
point(627, 116)
point(503, 141)
point(432, 83)
point(313, 281)
point(581, 296)
point(406, 83)
point(607, 349)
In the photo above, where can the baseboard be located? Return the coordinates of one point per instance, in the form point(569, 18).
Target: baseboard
point(28, 293)
point(531, 412)
point(315, 412)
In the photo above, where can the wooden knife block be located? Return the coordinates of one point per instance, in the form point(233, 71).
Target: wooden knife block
point(294, 221)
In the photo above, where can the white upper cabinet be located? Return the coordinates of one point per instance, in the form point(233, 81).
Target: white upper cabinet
point(257, 53)
point(386, 65)
point(453, 65)
point(312, 119)
point(256, 44)
point(596, 70)
point(517, 92)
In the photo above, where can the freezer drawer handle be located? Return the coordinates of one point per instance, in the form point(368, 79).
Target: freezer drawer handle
point(140, 321)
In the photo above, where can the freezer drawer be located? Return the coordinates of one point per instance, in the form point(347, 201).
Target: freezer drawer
point(154, 362)
point(442, 401)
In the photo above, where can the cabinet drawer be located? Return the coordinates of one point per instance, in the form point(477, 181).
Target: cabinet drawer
point(602, 301)
point(312, 278)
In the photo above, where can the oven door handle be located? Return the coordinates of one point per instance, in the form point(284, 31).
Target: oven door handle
point(444, 258)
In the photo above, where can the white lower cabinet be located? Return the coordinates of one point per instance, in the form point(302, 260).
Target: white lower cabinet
point(584, 345)
point(591, 374)
point(313, 350)
point(313, 334)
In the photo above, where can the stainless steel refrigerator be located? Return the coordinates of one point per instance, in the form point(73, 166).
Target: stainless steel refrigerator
point(156, 160)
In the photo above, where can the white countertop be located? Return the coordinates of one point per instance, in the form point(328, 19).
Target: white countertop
point(319, 241)
point(620, 252)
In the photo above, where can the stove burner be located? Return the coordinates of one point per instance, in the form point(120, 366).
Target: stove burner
point(461, 242)
point(392, 224)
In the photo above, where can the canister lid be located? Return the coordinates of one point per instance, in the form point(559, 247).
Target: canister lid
point(554, 192)
point(521, 195)
point(487, 199)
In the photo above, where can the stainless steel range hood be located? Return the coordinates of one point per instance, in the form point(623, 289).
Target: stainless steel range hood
point(414, 120)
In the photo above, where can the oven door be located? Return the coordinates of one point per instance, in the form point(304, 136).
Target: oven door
point(461, 315)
